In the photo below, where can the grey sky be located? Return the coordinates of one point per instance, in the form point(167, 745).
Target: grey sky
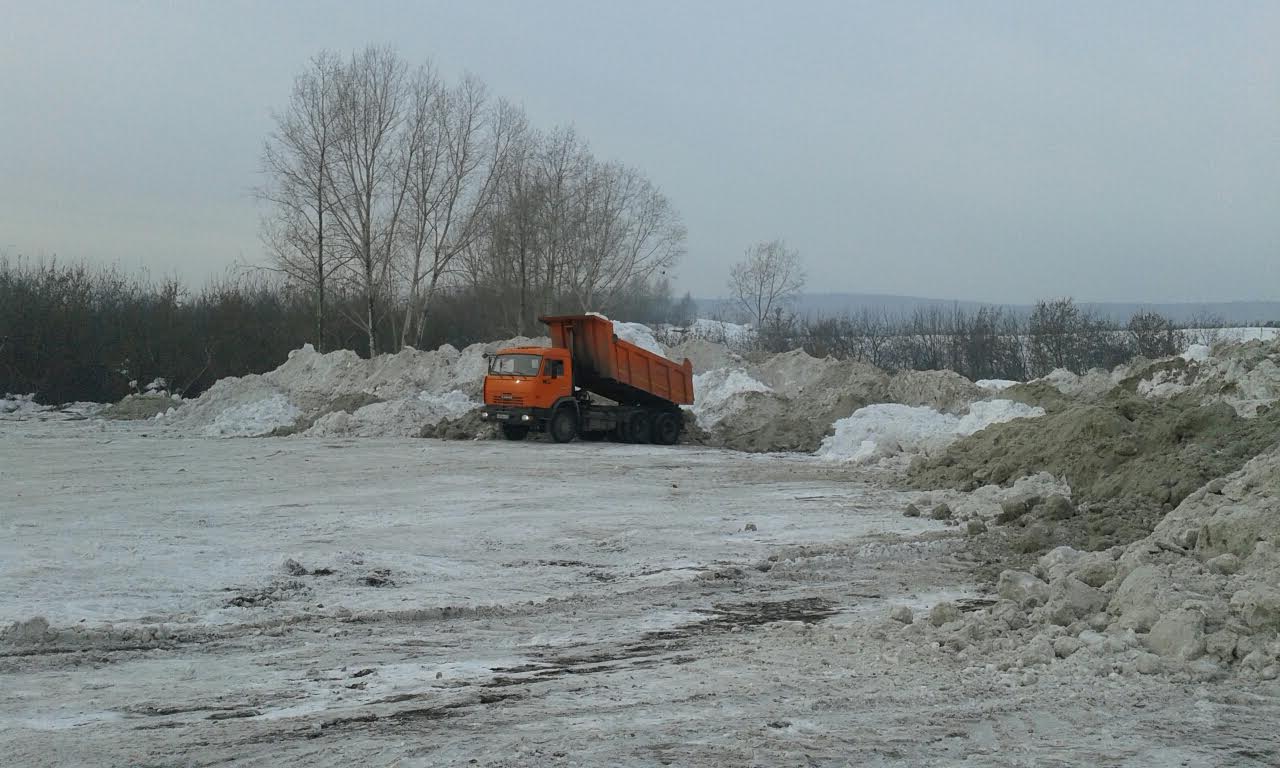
point(992, 151)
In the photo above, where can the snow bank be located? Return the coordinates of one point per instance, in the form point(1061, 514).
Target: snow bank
point(404, 417)
point(984, 413)
point(1196, 599)
point(20, 406)
point(418, 388)
point(886, 429)
point(995, 385)
point(253, 419)
point(1245, 375)
point(715, 394)
point(640, 335)
point(1091, 385)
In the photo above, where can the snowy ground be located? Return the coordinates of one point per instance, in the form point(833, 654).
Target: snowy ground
point(516, 604)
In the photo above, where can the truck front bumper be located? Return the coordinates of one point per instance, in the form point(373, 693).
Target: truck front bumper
point(505, 414)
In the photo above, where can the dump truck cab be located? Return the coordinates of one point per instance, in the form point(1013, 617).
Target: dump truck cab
point(525, 386)
point(532, 378)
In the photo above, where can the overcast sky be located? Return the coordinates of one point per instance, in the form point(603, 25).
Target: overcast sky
point(990, 151)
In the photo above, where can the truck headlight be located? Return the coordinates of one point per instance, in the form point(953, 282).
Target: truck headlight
point(525, 417)
point(484, 415)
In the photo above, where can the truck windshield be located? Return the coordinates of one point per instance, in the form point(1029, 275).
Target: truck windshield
point(515, 365)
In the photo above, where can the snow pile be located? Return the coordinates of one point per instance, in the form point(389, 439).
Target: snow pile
point(403, 417)
point(995, 385)
point(470, 366)
point(1246, 375)
point(640, 335)
point(706, 356)
point(416, 389)
point(1090, 386)
point(797, 371)
point(884, 429)
point(887, 429)
point(988, 501)
point(1197, 598)
point(946, 391)
point(984, 413)
point(717, 394)
point(20, 406)
point(255, 418)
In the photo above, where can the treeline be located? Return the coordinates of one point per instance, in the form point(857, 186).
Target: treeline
point(386, 183)
point(989, 342)
point(71, 332)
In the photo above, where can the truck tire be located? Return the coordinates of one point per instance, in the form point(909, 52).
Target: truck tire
point(513, 432)
point(564, 425)
point(666, 428)
point(638, 427)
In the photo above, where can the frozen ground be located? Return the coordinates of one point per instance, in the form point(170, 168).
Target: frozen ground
point(516, 605)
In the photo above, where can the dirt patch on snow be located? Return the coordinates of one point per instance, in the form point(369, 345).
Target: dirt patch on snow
point(1125, 446)
point(139, 407)
point(468, 426)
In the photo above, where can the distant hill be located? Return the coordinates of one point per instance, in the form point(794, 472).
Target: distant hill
point(835, 304)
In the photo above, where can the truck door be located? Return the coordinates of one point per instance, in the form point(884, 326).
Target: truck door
point(556, 379)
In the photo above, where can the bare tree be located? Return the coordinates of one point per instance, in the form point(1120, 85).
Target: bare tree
point(295, 161)
point(1154, 335)
point(1054, 336)
point(1204, 328)
point(562, 168)
point(453, 183)
point(629, 234)
point(369, 175)
point(765, 281)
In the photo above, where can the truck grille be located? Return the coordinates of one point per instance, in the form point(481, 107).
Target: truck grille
point(509, 399)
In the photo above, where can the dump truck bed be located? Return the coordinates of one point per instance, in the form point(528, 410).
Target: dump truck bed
point(619, 370)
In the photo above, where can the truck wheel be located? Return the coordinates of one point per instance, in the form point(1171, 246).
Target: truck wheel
point(512, 432)
point(666, 428)
point(564, 425)
point(638, 427)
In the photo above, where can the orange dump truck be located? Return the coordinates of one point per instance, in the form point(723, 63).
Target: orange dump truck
point(549, 389)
